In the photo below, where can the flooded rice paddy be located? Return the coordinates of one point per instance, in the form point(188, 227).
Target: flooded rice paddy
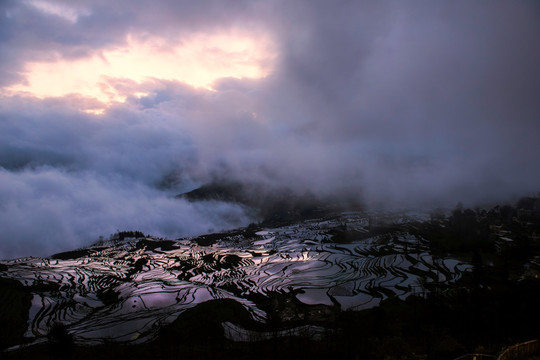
point(127, 290)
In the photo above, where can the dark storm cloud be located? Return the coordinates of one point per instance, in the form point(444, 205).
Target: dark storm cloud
point(397, 104)
point(438, 100)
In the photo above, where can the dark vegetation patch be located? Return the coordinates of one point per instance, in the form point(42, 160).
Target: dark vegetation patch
point(201, 325)
point(466, 230)
point(211, 239)
point(60, 342)
point(122, 235)
point(285, 310)
point(70, 255)
point(137, 267)
point(188, 268)
point(168, 245)
point(229, 261)
point(341, 235)
point(210, 262)
point(499, 241)
point(41, 286)
point(165, 245)
point(234, 235)
point(77, 254)
point(15, 301)
point(444, 325)
point(108, 296)
point(139, 264)
point(344, 235)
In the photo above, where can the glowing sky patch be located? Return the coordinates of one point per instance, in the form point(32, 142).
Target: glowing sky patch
point(197, 61)
point(94, 111)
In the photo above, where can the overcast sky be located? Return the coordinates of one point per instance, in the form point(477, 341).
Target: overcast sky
point(109, 108)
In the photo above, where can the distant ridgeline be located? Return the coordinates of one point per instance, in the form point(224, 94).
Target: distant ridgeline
point(274, 206)
point(337, 285)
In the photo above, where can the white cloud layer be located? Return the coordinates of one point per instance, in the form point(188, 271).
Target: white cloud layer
point(48, 210)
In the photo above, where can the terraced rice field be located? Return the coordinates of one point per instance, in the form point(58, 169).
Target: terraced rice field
point(127, 290)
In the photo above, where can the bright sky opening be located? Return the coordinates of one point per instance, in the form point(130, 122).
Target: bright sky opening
point(197, 61)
